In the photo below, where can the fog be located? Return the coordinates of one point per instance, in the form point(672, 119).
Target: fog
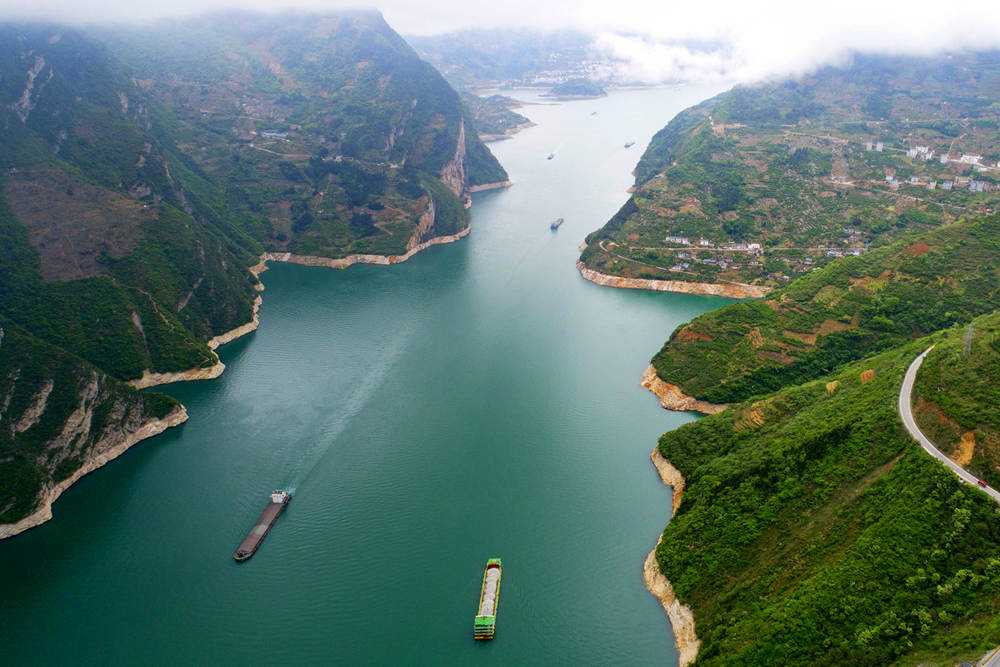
point(651, 41)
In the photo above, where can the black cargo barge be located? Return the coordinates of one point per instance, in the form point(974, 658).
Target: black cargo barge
point(257, 534)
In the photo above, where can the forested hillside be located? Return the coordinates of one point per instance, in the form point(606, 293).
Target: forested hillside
point(812, 530)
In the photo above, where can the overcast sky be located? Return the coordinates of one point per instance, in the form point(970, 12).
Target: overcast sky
point(748, 40)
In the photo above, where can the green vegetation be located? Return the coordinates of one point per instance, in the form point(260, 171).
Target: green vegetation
point(764, 183)
point(837, 314)
point(317, 117)
point(494, 116)
point(957, 397)
point(42, 386)
point(812, 530)
point(577, 88)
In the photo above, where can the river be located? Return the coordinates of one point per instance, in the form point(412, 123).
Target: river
point(478, 400)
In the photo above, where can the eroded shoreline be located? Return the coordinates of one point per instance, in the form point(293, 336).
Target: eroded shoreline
point(672, 398)
point(729, 290)
point(680, 615)
point(114, 449)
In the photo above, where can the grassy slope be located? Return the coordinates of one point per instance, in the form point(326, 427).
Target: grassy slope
point(959, 394)
point(813, 531)
point(839, 313)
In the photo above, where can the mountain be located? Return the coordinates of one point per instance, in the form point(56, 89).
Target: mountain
point(143, 171)
point(766, 182)
point(350, 133)
point(479, 58)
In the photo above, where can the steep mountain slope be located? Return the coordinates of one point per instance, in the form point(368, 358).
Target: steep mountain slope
point(957, 397)
point(109, 250)
point(813, 530)
point(61, 417)
point(763, 183)
point(330, 134)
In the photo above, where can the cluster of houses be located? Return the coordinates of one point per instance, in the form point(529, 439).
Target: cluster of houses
point(753, 248)
point(957, 183)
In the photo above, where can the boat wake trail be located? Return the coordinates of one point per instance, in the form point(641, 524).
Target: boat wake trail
point(336, 420)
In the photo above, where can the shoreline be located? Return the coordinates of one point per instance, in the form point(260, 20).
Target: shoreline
point(672, 398)
point(149, 429)
point(495, 185)
point(350, 260)
point(729, 290)
point(680, 615)
point(150, 379)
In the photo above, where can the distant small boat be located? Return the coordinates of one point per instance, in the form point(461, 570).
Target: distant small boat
point(551, 155)
point(630, 144)
point(555, 223)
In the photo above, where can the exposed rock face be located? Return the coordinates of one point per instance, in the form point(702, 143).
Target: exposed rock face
point(681, 617)
point(730, 290)
point(239, 331)
point(672, 398)
point(491, 186)
point(424, 226)
point(150, 379)
point(114, 444)
point(453, 174)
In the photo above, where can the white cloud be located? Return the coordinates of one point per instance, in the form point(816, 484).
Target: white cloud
point(659, 39)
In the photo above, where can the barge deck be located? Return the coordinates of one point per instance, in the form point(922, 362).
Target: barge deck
point(248, 547)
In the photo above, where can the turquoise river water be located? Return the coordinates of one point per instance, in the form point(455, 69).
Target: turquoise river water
point(479, 400)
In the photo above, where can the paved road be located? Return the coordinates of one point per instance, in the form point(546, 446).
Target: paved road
point(905, 412)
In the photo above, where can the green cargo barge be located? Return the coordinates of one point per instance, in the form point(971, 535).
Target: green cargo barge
point(489, 598)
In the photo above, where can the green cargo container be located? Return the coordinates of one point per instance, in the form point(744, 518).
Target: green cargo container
point(489, 598)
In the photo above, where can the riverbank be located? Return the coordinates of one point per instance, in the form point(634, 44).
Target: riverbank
point(151, 379)
point(349, 260)
point(729, 290)
point(680, 615)
point(104, 451)
point(672, 398)
point(496, 185)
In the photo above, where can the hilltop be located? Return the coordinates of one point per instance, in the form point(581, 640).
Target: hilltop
point(577, 89)
point(764, 183)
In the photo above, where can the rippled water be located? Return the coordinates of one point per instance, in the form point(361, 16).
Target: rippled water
point(479, 400)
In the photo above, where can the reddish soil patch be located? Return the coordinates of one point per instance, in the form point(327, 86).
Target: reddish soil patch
point(72, 223)
point(687, 333)
point(917, 249)
point(829, 326)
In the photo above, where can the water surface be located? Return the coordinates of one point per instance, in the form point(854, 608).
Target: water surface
point(479, 400)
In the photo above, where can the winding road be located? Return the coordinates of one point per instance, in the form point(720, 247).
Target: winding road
point(906, 414)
